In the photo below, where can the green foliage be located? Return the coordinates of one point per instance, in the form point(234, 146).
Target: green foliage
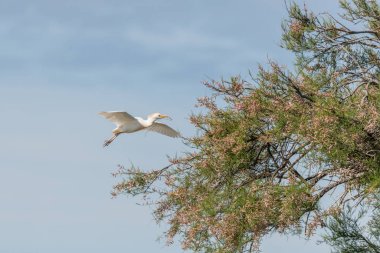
point(346, 234)
point(265, 158)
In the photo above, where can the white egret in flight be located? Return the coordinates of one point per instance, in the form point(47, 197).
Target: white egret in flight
point(126, 123)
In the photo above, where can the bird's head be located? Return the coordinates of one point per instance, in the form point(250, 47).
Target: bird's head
point(157, 115)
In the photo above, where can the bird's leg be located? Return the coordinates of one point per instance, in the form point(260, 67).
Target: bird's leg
point(108, 142)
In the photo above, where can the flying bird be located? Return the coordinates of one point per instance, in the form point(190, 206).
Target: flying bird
point(126, 123)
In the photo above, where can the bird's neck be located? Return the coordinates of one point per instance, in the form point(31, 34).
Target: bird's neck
point(150, 120)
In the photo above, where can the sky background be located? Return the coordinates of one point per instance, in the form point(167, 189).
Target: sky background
point(61, 62)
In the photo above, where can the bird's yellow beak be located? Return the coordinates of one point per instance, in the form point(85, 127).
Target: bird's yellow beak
point(163, 116)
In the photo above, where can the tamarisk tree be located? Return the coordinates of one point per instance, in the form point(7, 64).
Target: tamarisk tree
point(270, 149)
point(346, 234)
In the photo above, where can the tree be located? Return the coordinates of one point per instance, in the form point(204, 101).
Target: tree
point(270, 149)
point(346, 235)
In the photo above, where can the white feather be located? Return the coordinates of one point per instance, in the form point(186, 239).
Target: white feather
point(164, 129)
point(126, 123)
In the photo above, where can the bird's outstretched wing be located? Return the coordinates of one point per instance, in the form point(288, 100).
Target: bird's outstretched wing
point(119, 118)
point(164, 129)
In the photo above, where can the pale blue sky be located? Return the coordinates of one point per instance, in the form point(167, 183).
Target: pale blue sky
point(61, 62)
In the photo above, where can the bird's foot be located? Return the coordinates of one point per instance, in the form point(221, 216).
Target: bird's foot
point(106, 143)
